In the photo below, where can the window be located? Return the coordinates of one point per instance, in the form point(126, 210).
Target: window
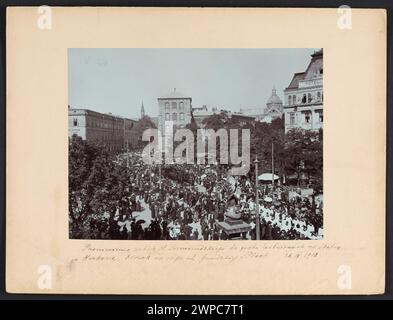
point(174, 105)
point(321, 71)
point(181, 105)
point(294, 99)
point(309, 98)
point(166, 106)
point(75, 122)
point(289, 100)
point(307, 117)
point(304, 99)
point(174, 116)
point(167, 116)
point(292, 118)
point(320, 116)
point(319, 96)
point(181, 116)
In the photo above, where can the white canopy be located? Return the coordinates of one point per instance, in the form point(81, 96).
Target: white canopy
point(267, 177)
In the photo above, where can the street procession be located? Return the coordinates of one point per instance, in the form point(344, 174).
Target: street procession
point(204, 202)
point(268, 186)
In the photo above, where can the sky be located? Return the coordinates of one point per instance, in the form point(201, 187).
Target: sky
point(118, 80)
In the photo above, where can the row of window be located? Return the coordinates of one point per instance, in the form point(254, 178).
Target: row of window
point(174, 106)
point(307, 117)
point(306, 98)
point(99, 124)
point(174, 116)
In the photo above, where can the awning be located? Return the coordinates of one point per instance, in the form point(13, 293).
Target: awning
point(267, 177)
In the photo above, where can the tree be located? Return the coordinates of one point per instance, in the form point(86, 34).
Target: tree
point(97, 185)
point(144, 123)
point(216, 121)
point(263, 136)
point(82, 179)
point(303, 154)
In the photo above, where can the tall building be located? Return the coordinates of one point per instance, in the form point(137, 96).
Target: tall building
point(115, 132)
point(175, 108)
point(304, 97)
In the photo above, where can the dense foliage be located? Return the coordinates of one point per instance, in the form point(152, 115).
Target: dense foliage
point(298, 154)
point(97, 184)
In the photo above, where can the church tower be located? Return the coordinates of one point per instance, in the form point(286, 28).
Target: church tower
point(142, 111)
point(274, 107)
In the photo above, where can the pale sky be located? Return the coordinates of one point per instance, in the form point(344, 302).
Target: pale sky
point(118, 80)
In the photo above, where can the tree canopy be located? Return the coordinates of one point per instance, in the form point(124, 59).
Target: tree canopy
point(97, 183)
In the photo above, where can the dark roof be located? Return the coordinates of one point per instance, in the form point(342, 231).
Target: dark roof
point(242, 117)
point(295, 80)
point(317, 54)
point(313, 68)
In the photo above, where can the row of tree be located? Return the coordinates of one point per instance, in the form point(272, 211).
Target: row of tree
point(298, 154)
point(97, 184)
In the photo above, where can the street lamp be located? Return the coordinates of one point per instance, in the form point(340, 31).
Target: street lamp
point(258, 235)
point(273, 164)
point(159, 172)
point(128, 156)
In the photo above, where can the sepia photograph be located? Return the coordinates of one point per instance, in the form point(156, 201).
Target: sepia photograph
point(210, 124)
point(195, 144)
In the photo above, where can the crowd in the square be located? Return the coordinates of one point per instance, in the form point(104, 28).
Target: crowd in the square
point(185, 202)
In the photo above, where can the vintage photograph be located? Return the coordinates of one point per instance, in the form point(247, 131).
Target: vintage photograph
point(195, 144)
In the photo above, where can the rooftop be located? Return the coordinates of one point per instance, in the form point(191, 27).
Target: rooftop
point(174, 95)
point(314, 70)
point(81, 111)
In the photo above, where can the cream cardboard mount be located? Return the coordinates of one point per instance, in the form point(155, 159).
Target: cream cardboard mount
point(40, 258)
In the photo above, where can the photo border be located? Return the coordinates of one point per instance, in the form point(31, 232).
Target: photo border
point(290, 4)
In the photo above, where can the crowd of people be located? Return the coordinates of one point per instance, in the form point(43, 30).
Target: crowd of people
point(185, 202)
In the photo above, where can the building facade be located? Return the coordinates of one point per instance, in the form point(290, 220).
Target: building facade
point(304, 97)
point(116, 133)
point(256, 113)
point(174, 108)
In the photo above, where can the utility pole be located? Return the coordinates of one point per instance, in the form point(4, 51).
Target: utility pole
point(258, 235)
